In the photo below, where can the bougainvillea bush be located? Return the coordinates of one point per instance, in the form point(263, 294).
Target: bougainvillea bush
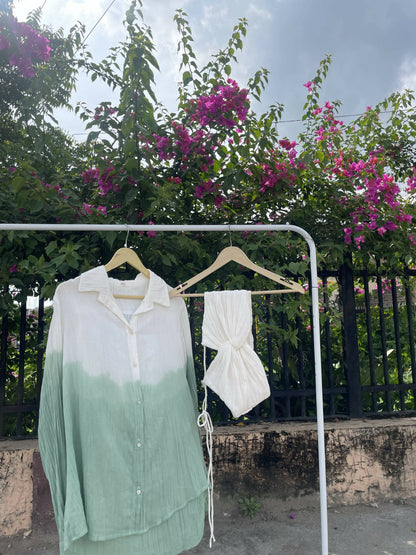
point(214, 160)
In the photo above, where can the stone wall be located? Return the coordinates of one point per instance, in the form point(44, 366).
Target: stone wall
point(367, 462)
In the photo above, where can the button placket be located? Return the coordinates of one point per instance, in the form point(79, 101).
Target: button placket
point(133, 355)
point(136, 439)
point(137, 442)
point(139, 447)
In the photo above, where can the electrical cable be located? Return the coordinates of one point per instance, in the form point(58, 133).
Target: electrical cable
point(338, 116)
point(293, 120)
point(99, 20)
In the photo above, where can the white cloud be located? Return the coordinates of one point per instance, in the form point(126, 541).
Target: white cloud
point(258, 13)
point(214, 14)
point(407, 74)
point(58, 14)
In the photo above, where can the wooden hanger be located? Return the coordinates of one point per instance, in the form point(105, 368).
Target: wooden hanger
point(235, 254)
point(128, 255)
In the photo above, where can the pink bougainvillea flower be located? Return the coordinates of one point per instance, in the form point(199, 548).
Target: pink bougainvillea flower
point(151, 233)
point(87, 208)
point(102, 210)
point(219, 200)
point(90, 175)
point(203, 188)
point(359, 240)
point(390, 226)
point(223, 106)
point(30, 47)
point(4, 43)
point(13, 268)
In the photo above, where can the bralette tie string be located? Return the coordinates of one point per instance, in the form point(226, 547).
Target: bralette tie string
point(204, 421)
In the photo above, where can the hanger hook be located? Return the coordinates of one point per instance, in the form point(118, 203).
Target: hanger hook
point(229, 233)
point(127, 236)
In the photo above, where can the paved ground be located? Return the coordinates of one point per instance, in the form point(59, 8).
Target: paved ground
point(388, 529)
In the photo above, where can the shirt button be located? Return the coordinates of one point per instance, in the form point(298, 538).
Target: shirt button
point(139, 491)
point(139, 444)
point(139, 402)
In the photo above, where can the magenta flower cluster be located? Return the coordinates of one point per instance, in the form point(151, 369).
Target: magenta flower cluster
point(208, 187)
point(24, 45)
point(221, 107)
point(190, 148)
point(331, 126)
point(282, 166)
point(106, 178)
point(92, 209)
point(185, 143)
point(375, 192)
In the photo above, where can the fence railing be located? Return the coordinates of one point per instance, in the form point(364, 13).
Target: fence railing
point(368, 353)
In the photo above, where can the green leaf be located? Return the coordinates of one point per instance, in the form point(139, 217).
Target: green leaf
point(110, 237)
point(18, 183)
point(320, 155)
point(131, 165)
point(130, 147)
point(131, 195)
point(166, 261)
point(186, 78)
point(92, 136)
point(50, 248)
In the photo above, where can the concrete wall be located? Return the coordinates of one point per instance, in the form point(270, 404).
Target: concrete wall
point(367, 461)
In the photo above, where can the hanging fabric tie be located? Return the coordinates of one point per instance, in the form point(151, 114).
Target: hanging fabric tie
point(204, 421)
point(236, 374)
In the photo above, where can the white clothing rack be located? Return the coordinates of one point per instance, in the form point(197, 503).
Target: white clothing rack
point(315, 314)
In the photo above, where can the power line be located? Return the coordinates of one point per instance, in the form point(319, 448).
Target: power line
point(98, 21)
point(338, 116)
point(292, 120)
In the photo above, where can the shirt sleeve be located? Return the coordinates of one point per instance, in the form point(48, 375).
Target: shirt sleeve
point(51, 429)
point(190, 368)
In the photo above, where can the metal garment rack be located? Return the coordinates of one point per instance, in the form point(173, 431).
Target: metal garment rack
point(315, 314)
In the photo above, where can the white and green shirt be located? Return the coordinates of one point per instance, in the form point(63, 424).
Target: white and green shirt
point(118, 432)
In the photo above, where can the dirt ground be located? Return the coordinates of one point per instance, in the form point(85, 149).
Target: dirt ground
point(385, 529)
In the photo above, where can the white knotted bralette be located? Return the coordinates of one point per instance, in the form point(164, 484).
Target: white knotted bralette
point(236, 374)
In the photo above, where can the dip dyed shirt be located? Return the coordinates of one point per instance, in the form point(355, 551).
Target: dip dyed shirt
point(118, 432)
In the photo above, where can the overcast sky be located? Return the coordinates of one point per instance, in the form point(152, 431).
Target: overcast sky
point(372, 43)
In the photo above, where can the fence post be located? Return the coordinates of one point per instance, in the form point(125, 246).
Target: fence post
point(350, 339)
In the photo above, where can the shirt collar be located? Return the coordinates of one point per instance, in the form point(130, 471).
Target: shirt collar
point(97, 279)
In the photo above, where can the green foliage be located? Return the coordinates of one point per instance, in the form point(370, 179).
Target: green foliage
point(214, 160)
point(22, 365)
point(249, 506)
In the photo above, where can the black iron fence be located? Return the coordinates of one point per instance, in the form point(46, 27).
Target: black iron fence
point(367, 345)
